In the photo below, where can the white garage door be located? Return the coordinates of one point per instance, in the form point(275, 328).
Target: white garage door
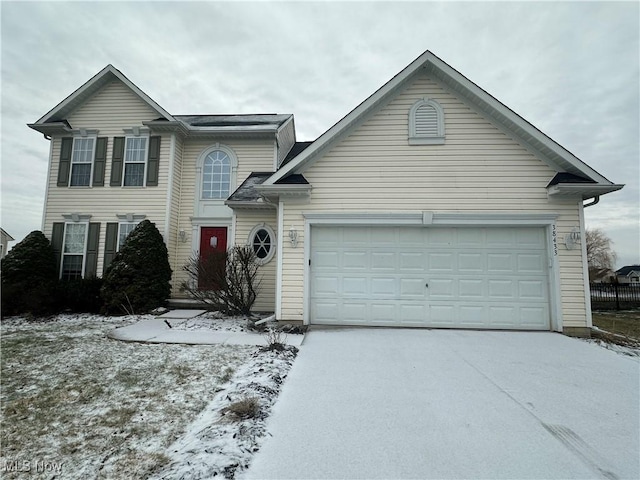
point(432, 277)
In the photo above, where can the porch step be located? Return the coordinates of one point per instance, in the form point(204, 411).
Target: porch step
point(187, 304)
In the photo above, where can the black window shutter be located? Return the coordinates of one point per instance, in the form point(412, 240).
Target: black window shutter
point(91, 262)
point(153, 164)
point(99, 162)
point(65, 162)
point(57, 237)
point(111, 243)
point(117, 160)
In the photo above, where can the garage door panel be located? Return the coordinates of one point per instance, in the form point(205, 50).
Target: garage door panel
point(471, 262)
point(441, 262)
point(442, 288)
point(411, 262)
point(471, 289)
point(355, 261)
point(531, 238)
point(383, 287)
point(326, 260)
point(472, 316)
point(383, 313)
point(326, 285)
point(441, 237)
point(500, 263)
point(355, 312)
point(384, 261)
point(354, 286)
point(531, 289)
point(470, 238)
point(411, 288)
point(477, 277)
point(412, 314)
point(534, 317)
point(530, 263)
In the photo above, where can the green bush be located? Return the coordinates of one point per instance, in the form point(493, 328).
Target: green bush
point(137, 280)
point(81, 295)
point(29, 277)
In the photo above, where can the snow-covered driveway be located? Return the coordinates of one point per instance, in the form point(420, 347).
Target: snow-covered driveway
point(404, 403)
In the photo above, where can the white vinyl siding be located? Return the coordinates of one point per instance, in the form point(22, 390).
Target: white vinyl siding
point(252, 156)
point(246, 221)
point(109, 111)
point(479, 169)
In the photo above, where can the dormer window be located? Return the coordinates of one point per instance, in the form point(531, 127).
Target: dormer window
point(426, 123)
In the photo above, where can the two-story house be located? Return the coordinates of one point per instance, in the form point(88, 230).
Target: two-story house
point(430, 204)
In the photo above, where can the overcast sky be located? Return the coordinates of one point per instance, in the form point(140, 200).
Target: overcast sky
point(571, 69)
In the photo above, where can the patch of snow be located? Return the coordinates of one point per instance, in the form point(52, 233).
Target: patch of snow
point(216, 443)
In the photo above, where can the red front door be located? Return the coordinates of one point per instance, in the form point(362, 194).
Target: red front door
point(213, 242)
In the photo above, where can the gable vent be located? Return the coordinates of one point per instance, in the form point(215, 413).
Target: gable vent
point(426, 123)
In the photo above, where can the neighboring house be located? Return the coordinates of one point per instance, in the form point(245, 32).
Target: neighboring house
point(430, 204)
point(629, 275)
point(5, 238)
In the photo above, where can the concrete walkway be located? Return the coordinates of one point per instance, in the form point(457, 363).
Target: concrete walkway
point(156, 330)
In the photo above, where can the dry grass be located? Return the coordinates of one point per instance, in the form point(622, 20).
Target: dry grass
point(626, 323)
point(102, 408)
point(248, 407)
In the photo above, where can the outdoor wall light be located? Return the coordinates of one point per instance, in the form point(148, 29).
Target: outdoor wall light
point(293, 236)
point(183, 236)
point(572, 240)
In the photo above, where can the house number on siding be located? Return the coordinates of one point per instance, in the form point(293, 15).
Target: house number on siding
point(554, 235)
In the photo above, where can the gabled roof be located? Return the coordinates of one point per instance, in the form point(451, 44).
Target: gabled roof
point(625, 271)
point(6, 235)
point(556, 156)
point(82, 94)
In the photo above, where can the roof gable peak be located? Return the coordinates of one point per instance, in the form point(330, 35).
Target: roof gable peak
point(89, 88)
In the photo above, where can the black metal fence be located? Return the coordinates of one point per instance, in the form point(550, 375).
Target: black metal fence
point(612, 296)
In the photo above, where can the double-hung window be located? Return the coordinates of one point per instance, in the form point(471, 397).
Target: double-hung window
point(124, 229)
point(82, 161)
point(135, 159)
point(74, 250)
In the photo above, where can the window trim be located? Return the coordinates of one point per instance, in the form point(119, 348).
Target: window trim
point(414, 138)
point(128, 137)
point(92, 162)
point(84, 250)
point(200, 173)
point(272, 236)
point(120, 224)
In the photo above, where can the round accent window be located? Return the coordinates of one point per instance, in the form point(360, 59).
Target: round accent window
point(262, 239)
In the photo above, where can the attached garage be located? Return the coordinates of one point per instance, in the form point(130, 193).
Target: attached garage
point(444, 277)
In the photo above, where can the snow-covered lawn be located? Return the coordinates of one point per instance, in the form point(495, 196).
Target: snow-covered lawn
point(77, 404)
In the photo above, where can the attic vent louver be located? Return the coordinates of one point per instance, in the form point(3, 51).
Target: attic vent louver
point(426, 123)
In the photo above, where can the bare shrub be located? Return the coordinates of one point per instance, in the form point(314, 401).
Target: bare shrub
point(227, 281)
point(276, 339)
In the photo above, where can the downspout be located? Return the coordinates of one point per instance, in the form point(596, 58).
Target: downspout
point(585, 265)
point(279, 252)
point(46, 185)
point(596, 200)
